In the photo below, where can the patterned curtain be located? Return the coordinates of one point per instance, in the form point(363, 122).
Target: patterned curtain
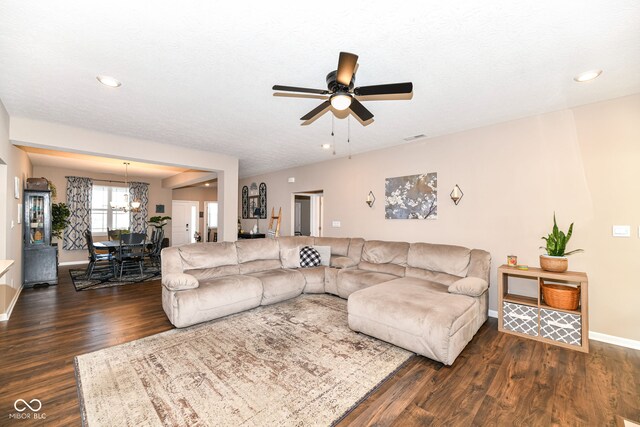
point(139, 191)
point(79, 202)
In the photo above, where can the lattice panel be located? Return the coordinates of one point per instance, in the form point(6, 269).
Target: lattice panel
point(561, 326)
point(520, 318)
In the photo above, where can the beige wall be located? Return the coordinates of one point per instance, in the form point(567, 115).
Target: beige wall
point(13, 163)
point(514, 176)
point(37, 133)
point(157, 196)
point(609, 135)
point(197, 194)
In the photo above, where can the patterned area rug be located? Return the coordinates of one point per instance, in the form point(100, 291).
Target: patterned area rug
point(79, 279)
point(292, 363)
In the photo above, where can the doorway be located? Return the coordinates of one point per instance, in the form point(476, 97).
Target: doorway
point(307, 215)
point(211, 221)
point(184, 221)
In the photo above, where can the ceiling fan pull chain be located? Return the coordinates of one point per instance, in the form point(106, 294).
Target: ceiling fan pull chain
point(333, 137)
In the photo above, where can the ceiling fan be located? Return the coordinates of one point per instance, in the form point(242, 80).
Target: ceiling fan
point(341, 92)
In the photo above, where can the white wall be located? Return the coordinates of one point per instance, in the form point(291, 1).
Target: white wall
point(13, 163)
point(36, 133)
point(514, 176)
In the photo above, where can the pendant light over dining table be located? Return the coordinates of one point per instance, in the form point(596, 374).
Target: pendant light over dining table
point(126, 205)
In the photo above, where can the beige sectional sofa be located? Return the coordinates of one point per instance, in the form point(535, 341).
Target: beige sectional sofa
point(427, 298)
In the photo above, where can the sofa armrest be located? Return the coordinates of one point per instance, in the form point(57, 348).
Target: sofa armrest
point(479, 264)
point(342, 262)
point(179, 281)
point(471, 286)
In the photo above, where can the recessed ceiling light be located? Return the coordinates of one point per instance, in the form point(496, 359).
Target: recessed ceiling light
point(587, 75)
point(325, 146)
point(109, 81)
point(206, 184)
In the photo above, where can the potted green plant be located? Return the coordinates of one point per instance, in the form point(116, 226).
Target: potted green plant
point(59, 218)
point(159, 221)
point(556, 257)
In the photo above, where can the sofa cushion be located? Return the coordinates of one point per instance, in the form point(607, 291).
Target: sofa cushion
point(355, 279)
point(339, 245)
point(280, 284)
point(293, 241)
point(355, 248)
point(260, 265)
point(342, 262)
point(290, 257)
point(314, 279)
point(216, 298)
point(257, 249)
point(434, 276)
point(309, 257)
point(387, 268)
point(325, 254)
point(417, 315)
point(444, 258)
point(379, 252)
point(208, 255)
point(179, 281)
point(472, 286)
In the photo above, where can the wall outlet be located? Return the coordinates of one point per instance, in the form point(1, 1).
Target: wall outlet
point(621, 231)
point(336, 224)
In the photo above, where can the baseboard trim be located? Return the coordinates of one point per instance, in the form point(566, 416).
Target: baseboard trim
point(5, 316)
point(73, 263)
point(610, 339)
point(597, 336)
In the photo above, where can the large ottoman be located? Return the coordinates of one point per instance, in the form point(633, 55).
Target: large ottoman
point(417, 315)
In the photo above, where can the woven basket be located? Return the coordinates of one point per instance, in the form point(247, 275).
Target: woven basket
point(561, 296)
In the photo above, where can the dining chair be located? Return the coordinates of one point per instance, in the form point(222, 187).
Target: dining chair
point(156, 247)
point(131, 253)
point(98, 263)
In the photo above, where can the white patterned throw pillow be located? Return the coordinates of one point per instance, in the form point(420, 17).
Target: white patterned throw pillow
point(309, 257)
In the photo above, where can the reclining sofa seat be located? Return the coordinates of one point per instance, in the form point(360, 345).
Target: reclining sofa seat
point(397, 292)
point(416, 310)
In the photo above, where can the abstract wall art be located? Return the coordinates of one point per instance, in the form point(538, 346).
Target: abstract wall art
point(411, 197)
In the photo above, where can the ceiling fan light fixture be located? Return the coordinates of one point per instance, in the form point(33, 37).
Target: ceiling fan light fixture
point(340, 101)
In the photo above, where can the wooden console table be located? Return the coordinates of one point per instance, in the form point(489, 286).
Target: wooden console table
point(533, 318)
point(251, 236)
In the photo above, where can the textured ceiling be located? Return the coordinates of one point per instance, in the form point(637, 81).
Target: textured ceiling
point(199, 73)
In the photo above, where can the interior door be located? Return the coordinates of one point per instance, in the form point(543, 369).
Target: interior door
point(184, 222)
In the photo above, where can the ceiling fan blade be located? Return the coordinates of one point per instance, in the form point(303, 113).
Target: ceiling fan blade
point(319, 109)
point(300, 89)
point(346, 66)
point(360, 111)
point(390, 89)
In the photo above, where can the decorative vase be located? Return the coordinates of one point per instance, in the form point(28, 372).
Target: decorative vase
point(556, 264)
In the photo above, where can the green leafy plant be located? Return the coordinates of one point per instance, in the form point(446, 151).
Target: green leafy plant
point(557, 241)
point(59, 218)
point(159, 221)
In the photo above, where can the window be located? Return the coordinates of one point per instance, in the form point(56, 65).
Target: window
point(102, 216)
point(212, 214)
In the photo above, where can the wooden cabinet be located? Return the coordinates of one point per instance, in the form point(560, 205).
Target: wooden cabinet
point(531, 317)
point(40, 259)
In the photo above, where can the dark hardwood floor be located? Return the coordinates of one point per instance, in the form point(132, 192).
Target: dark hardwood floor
point(498, 380)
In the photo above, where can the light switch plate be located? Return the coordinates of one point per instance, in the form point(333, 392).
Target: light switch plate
point(336, 224)
point(621, 231)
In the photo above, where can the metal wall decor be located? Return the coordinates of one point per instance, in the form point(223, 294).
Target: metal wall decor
point(254, 197)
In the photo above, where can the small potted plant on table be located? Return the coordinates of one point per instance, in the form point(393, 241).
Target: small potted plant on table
point(556, 257)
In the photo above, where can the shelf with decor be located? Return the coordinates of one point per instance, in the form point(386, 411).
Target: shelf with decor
point(559, 319)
